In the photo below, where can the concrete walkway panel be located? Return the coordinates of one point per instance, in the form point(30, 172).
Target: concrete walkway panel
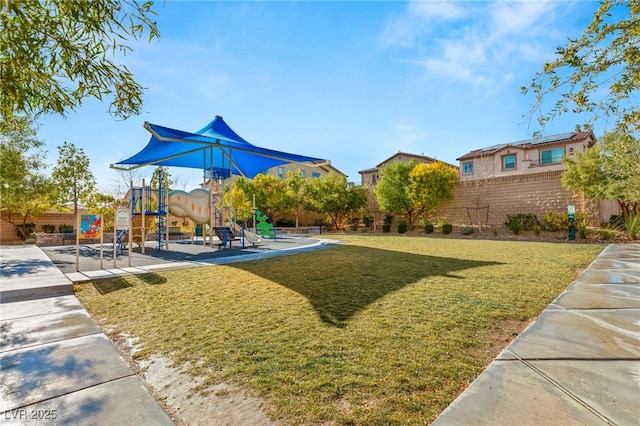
point(47, 371)
point(585, 334)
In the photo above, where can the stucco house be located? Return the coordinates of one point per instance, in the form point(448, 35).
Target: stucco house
point(370, 177)
point(536, 155)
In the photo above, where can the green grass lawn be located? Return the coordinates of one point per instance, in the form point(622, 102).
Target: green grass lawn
point(381, 330)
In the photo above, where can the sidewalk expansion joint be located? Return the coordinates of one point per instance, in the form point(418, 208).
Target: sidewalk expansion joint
point(563, 389)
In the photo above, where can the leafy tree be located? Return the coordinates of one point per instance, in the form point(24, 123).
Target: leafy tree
point(603, 60)
point(166, 178)
point(270, 192)
point(333, 196)
point(72, 177)
point(105, 205)
point(430, 185)
point(414, 188)
point(393, 190)
point(294, 196)
point(237, 198)
point(55, 53)
point(23, 187)
point(608, 170)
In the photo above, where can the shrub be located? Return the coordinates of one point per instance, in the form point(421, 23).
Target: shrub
point(536, 230)
point(467, 230)
point(632, 225)
point(386, 227)
point(606, 234)
point(64, 227)
point(447, 228)
point(525, 221)
point(48, 228)
point(402, 226)
point(515, 227)
point(583, 231)
point(494, 229)
point(554, 221)
point(286, 223)
point(426, 225)
point(616, 221)
point(368, 221)
point(354, 222)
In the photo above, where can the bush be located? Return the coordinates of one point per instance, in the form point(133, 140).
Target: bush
point(515, 227)
point(616, 221)
point(402, 226)
point(583, 231)
point(554, 221)
point(494, 230)
point(286, 223)
point(467, 230)
point(632, 225)
point(525, 221)
point(386, 227)
point(447, 228)
point(536, 230)
point(426, 225)
point(606, 234)
point(353, 223)
point(64, 227)
point(368, 221)
point(48, 228)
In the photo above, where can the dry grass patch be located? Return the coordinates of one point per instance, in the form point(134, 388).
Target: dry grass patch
point(381, 330)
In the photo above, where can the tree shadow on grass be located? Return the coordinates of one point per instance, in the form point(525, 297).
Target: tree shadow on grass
point(356, 278)
point(109, 285)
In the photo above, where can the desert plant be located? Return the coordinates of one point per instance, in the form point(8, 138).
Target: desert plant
point(554, 221)
point(514, 226)
point(402, 226)
point(583, 231)
point(447, 228)
point(632, 225)
point(467, 230)
point(536, 230)
point(64, 227)
point(426, 226)
point(48, 228)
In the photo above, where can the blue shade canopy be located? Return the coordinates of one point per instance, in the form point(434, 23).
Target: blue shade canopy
point(215, 148)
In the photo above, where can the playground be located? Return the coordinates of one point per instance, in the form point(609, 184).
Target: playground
point(176, 254)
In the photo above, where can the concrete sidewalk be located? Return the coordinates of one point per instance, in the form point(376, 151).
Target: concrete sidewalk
point(578, 363)
point(56, 365)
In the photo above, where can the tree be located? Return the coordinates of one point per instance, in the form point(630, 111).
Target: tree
point(393, 190)
point(608, 170)
point(333, 196)
point(55, 53)
point(430, 185)
point(72, 177)
point(605, 58)
point(23, 187)
point(269, 191)
point(294, 197)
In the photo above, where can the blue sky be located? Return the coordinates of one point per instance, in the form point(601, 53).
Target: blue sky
point(353, 82)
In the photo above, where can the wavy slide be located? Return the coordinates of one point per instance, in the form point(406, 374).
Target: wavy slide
point(248, 235)
point(194, 205)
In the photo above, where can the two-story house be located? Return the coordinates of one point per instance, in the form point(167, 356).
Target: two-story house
point(529, 156)
point(370, 177)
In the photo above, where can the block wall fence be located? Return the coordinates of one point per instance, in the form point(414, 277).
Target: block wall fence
point(497, 197)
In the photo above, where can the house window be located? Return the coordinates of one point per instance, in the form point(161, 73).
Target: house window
point(281, 172)
point(467, 168)
point(315, 175)
point(302, 173)
point(551, 156)
point(509, 162)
